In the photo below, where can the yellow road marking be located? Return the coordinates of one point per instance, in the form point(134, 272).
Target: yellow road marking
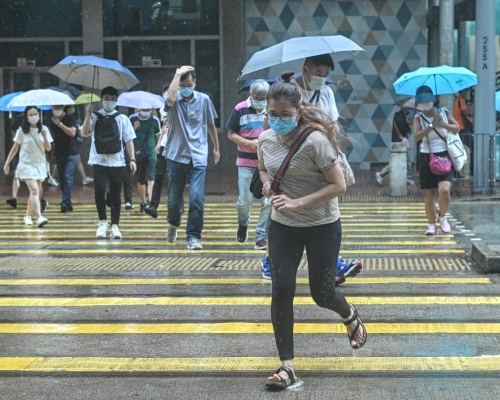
point(264, 364)
point(233, 301)
point(246, 328)
point(154, 230)
point(229, 281)
point(219, 251)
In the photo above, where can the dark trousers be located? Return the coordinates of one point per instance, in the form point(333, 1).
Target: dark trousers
point(66, 166)
point(127, 181)
point(160, 172)
point(114, 177)
point(286, 245)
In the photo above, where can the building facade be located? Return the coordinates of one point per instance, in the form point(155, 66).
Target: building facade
point(218, 37)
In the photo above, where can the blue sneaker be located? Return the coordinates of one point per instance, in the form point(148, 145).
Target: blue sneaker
point(265, 267)
point(345, 270)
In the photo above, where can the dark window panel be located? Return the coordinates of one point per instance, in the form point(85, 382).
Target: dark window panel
point(207, 65)
point(45, 54)
point(170, 52)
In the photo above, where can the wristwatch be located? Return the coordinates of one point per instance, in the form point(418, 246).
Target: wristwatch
point(60, 124)
point(132, 159)
point(431, 126)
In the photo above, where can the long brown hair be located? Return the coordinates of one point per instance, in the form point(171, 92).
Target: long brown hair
point(312, 116)
point(26, 125)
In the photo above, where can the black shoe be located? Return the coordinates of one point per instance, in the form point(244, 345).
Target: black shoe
point(12, 202)
point(43, 205)
point(129, 205)
point(70, 208)
point(143, 206)
point(151, 211)
point(64, 209)
point(242, 233)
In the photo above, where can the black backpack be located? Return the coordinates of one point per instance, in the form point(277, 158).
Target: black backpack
point(107, 137)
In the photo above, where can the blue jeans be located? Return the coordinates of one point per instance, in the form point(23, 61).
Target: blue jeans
point(66, 166)
point(177, 174)
point(245, 201)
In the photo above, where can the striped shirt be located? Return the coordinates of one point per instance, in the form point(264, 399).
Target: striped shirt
point(245, 121)
point(303, 176)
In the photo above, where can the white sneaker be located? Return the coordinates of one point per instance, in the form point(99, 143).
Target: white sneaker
point(27, 220)
point(171, 233)
point(53, 182)
point(380, 178)
point(115, 232)
point(88, 180)
point(194, 244)
point(410, 181)
point(102, 229)
point(40, 222)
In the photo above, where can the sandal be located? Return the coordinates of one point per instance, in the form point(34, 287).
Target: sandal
point(285, 382)
point(352, 337)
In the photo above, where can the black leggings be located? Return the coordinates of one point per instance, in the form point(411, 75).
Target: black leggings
point(286, 246)
point(113, 176)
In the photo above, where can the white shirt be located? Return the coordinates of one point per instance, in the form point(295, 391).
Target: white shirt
point(326, 99)
point(127, 134)
point(437, 144)
point(163, 115)
point(32, 145)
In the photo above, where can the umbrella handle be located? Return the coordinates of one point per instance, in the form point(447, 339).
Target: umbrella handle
point(93, 80)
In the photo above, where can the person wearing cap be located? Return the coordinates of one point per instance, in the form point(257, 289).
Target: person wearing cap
point(426, 125)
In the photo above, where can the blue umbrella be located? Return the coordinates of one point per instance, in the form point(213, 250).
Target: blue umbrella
point(497, 101)
point(246, 85)
point(6, 99)
point(442, 80)
point(94, 72)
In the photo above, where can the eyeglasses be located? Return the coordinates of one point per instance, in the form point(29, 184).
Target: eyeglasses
point(285, 117)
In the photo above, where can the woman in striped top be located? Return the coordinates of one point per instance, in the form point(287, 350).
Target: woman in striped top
point(305, 214)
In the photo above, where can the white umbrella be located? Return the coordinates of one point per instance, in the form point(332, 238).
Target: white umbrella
point(140, 99)
point(291, 54)
point(41, 97)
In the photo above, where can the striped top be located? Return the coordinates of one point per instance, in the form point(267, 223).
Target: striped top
point(303, 176)
point(245, 121)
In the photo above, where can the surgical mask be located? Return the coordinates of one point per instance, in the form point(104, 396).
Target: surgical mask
point(57, 113)
point(283, 127)
point(186, 91)
point(144, 114)
point(259, 105)
point(109, 105)
point(425, 106)
point(316, 82)
point(34, 119)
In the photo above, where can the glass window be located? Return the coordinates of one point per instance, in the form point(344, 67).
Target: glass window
point(45, 54)
point(207, 64)
point(75, 48)
point(35, 18)
point(165, 17)
point(47, 80)
point(111, 50)
point(170, 52)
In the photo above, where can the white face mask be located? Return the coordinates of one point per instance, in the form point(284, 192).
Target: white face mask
point(57, 113)
point(144, 114)
point(425, 106)
point(316, 82)
point(34, 119)
point(109, 105)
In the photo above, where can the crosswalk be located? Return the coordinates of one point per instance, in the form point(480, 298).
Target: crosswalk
point(71, 303)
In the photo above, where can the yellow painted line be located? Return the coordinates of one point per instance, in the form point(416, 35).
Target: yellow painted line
point(240, 364)
point(218, 252)
point(156, 241)
point(233, 301)
point(229, 281)
point(48, 229)
point(245, 328)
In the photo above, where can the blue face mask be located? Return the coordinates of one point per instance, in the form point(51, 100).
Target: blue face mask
point(283, 127)
point(186, 91)
point(259, 105)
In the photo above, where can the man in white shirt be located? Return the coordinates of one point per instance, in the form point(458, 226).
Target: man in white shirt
point(109, 130)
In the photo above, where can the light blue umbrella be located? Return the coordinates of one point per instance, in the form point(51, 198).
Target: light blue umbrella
point(246, 85)
point(497, 101)
point(141, 100)
point(291, 54)
point(442, 80)
point(94, 72)
point(6, 99)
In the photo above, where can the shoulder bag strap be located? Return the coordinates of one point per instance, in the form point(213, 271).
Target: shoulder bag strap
point(284, 165)
point(315, 97)
point(435, 130)
point(36, 144)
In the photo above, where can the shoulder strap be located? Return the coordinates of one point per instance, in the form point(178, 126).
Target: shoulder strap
point(36, 144)
point(435, 130)
point(284, 165)
point(315, 97)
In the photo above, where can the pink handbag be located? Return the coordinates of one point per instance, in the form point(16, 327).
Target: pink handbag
point(440, 165)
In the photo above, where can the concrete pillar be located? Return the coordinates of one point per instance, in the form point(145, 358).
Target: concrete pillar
point(93, 27)
point(398, 169)
point(432, 39)
point(462, 44)
point(485, 114)
point(446, 23)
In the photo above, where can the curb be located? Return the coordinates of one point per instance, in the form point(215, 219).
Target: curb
point(487, 256)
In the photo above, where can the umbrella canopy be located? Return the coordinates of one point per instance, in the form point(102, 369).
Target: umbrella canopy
point(408, 102)
point(6, 99)
point(140, 99)
point(71, 91)
point(291, 54)
point(94, 72)
point(40, 97)
point(246, 85)
point(86, 98)
point(442, 80)
point(497, 101)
